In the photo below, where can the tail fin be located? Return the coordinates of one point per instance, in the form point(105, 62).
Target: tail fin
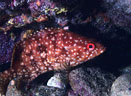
point(5, 78)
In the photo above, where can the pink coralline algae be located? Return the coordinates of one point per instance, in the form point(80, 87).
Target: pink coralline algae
point(40, 11)
point(22, 20)
point(47, 50)
point(47, 7)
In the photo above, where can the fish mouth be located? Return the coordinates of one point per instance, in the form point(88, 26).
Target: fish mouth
point(102, 50)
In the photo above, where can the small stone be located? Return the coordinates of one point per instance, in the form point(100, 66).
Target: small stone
point(122, 86)
point(90, 82)
point(12, 90)
point(56, 81)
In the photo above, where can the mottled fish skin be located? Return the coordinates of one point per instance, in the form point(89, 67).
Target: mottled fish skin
point(47, 50)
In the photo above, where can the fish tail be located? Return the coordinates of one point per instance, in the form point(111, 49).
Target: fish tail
point(5, 78)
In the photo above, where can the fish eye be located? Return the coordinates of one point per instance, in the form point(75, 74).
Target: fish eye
point(90, 46)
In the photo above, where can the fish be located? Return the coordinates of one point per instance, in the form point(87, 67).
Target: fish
point(48, 49)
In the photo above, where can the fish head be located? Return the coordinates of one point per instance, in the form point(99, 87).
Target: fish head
point(82, 49)
point(90, 49)
point(93, 49)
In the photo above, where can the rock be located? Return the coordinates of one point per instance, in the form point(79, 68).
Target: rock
point(6, 48)
point(122, 86)
point(90, 82)
point(126, 70)
point(12, 90)
point(58, 80)
point(119, 11)
point(46, 91)
point(72, 93)
point(55, 88)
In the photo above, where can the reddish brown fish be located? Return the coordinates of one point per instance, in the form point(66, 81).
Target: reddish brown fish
point(47, 50)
